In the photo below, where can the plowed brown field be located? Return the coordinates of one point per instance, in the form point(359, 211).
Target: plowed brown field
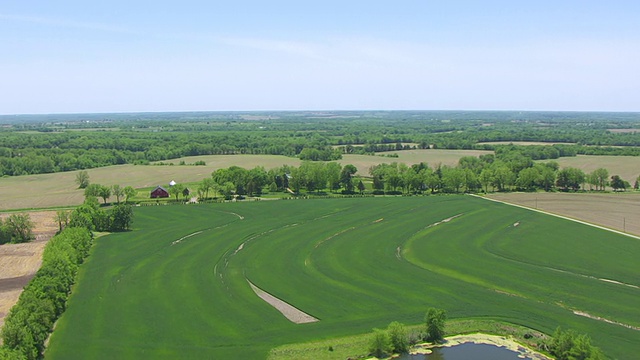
point(618, 211)
point(19, 262)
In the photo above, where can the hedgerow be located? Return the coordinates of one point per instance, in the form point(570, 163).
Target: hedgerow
point(43, 300)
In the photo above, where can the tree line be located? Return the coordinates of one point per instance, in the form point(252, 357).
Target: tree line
point(486, 173)
point(26, 148)
point(43, 300)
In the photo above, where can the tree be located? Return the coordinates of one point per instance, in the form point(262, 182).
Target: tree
point(82, 179)
point(121, 217)
point(227, 189)
point(256, 179)
point(20, 227)
point(636, 184)
point(361, 187)
point(617, 183)
point(453, 178)
point(118, 192)
point(379, 344)
point(206, 185)
point(176, 190)
point(62, 218)
point(104, 193)
point(334, 172)
point(314, 175)
point(398, 337)
point(547, 175)
point(129, 192)
point(346, 176)
point(435, 322)
point(486, 179)
point(432, 180)
point(570, 178)
point(92, 190)
point(273, 187)
point(11, 354)
point(409, 176)
point(601, 175)
point(502, 176)
point(5, 236)
point(296, 180)
point(528, 178)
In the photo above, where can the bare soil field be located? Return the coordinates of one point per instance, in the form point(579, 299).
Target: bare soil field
point(618, 211)
point(619, 131)
point(628, 167)
point(19, 262)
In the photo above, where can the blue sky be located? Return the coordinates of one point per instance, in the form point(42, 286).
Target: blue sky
point(122, 56)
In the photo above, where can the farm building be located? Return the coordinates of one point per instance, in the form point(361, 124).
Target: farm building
point(159, 192)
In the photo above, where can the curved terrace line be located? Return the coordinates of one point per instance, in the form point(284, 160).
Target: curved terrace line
point(289, 311)
point(568, 272)
point(231, 213)
point(186, 237)
point(592, 277)
point(587, 315)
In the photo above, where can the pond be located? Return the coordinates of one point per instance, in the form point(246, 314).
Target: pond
point(468, 351)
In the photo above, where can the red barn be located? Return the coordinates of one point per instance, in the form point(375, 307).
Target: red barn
point(159, 192)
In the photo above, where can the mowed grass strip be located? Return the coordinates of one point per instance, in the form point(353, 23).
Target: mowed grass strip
point(354, 264)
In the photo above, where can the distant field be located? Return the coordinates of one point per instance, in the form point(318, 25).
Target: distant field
point(176, 286)
point(624, 130)
point(362, 162)
point(523, 143)
point(628, 167)
point(410, 157)
point(60, 189)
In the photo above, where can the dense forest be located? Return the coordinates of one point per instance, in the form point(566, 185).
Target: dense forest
point(33, 144)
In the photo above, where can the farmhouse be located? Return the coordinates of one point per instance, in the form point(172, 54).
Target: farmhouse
point(159, 192)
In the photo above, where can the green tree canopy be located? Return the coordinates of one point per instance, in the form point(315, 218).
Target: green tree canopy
point(435, 320)
point(82, 179)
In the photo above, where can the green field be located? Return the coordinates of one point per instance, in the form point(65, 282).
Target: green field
point(353, 263)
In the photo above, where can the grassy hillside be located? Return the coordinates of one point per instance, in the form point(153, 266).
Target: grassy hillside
point(176, 287)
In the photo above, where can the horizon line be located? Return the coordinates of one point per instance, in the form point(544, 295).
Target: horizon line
point(315, 111)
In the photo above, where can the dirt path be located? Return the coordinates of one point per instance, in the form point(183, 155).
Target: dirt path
point(289, 311)
point(20, 262)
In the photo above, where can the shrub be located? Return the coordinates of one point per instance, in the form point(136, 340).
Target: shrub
point(380, 344)
point(398, 337)
point(568, 345)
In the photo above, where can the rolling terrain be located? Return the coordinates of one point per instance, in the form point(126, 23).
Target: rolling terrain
point(177, 286)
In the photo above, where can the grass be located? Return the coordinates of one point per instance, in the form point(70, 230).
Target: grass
point(355, 264)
